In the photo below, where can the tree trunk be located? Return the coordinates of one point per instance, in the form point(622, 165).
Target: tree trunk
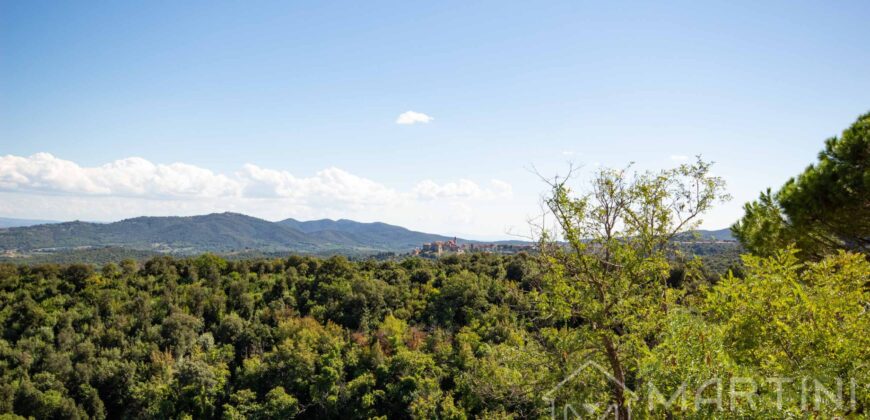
point(617, 387)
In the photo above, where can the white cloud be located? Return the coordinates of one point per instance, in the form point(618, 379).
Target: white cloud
point(133, 176)
point(411, 117)
point(331, 185)
point(462, 189)
point(679, 158)
point(137, 177)
point(502, 188)
point(44, 186)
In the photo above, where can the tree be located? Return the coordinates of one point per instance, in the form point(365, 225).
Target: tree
point(825, 208)
point(793, 319)
point(608, 278)
point(78, 274)
point(180, 331)
point(280, 405)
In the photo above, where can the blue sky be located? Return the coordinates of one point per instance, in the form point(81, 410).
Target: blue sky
point(297, 102)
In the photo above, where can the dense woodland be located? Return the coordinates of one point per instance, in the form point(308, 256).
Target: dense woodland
point(477, 335)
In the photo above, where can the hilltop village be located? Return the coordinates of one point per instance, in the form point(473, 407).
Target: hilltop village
point(440, 248)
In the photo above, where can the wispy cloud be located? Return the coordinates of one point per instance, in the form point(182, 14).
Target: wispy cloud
point(462, 189)
point(412, 117)
point(679, 158)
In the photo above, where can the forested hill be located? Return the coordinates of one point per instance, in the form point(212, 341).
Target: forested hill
point(373, 235)
point(707, 235)
point(233, 233)
point(223, 232)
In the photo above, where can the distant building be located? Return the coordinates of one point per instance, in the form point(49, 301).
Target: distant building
point(439, 248)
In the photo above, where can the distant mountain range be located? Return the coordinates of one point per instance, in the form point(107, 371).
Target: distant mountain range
point(226, 233)
point(219, 232)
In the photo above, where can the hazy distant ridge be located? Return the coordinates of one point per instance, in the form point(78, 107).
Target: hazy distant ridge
point(229, 232)
point(219, 232)
point(7, 222)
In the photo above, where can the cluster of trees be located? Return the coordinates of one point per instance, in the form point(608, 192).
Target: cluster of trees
point(94, 256)
point(209, 338)
point(614, 317)
point(784, 336)
point(824, 209)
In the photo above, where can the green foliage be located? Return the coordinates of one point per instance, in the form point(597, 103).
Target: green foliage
point(824, 209)
point(789, 317)
point(305, 337)
point(610, 281)
point(788, 329)
point(476, 336)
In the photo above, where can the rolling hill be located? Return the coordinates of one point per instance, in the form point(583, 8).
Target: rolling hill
point(375, 235)
point(233, 233)
point(707, 235)
point(219, 232)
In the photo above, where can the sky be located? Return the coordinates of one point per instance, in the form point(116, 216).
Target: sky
point(431, 115)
